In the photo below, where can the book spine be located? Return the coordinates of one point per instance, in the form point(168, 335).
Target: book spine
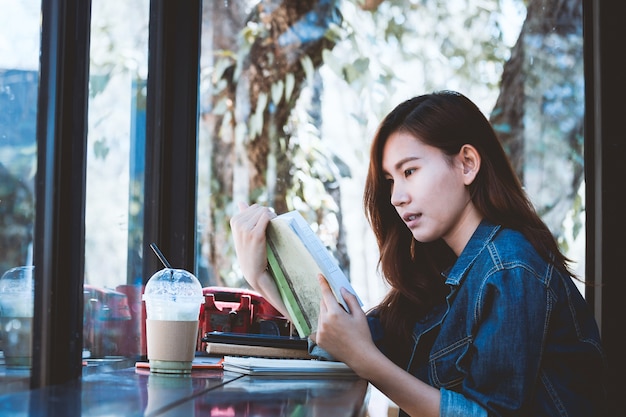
point(256, 351)
point(288, 294)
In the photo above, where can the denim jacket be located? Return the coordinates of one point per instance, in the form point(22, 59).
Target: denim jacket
point(514, 337)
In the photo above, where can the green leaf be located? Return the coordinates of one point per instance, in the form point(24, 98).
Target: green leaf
point(100, 148)
point(277, 91)
point(220, 107)
point(309, 69)
point(331, 61)
point(261, 103)
point(290, 82)
point(256, 121)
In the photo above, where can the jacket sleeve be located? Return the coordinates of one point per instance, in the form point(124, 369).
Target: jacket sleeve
point(454, 404)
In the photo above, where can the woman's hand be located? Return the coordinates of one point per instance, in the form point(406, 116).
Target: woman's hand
point(346, 336)
point(248, 227)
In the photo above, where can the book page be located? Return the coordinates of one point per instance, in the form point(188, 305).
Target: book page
point(334, 275)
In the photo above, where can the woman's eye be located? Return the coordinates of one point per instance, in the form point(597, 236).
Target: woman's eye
point(409, 171)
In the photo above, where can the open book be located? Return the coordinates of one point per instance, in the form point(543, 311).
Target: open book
point(296, 255)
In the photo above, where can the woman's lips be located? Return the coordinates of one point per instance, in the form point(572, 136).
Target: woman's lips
point(411, 219)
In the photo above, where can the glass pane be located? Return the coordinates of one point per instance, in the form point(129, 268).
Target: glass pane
point(113, 219)
point(297, 137)
point(19, 75)
point(290, 102)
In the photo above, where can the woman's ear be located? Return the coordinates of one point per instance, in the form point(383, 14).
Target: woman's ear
point(470, 161)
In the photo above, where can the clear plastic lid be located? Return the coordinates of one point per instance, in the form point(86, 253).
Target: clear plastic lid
point(17, 292)
point(175, 285)
point(18, 280)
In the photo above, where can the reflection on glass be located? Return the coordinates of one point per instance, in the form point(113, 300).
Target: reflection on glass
point(17, 295)
point(163, 390)
point(315, 397)
point(114, 184)
point(19, 74)
point(106, 316)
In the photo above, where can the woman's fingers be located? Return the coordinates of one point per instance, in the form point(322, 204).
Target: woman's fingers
point(351, 300)
point(248, 227)
point(328, 298)
point(251, 220)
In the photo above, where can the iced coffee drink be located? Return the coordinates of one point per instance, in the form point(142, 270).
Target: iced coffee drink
point(173, 298)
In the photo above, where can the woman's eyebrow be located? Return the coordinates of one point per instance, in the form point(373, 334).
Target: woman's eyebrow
point(403, 161)
point(398, 165)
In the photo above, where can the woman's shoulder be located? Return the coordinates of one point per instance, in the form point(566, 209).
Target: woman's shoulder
point(499, 243)
point(495, 251)
point(510, 250)
point(512, 240)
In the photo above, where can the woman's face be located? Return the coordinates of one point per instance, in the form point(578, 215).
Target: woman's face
point(429, 190)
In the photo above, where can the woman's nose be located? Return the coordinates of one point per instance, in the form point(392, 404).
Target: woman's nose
point(398, 196)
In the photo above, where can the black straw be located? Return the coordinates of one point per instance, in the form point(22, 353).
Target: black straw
point(160, 255)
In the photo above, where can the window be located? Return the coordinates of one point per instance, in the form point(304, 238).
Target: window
point(369, 61)
point(115, 168)
point(289, 103)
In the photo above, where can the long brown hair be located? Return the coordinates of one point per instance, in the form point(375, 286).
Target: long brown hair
point(446, 120)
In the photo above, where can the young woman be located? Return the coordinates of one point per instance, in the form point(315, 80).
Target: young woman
point(483, 317)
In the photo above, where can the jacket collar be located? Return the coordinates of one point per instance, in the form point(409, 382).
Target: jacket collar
point(481, 237)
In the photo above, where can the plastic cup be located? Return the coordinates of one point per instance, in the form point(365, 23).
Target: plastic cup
point(173, 298)
point(17, 294)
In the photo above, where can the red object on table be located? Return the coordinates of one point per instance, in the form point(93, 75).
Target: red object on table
point(239, 310)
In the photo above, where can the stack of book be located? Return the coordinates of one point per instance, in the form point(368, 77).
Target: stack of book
point(259, 345)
